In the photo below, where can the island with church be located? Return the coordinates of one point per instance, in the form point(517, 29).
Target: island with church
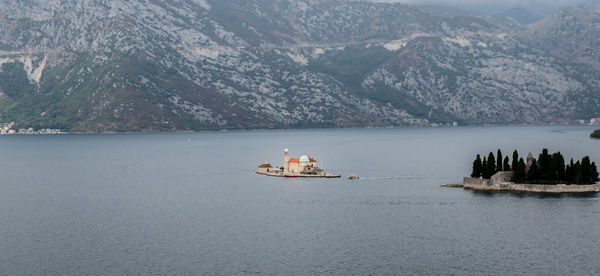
point(546, 174)
point(305, 166)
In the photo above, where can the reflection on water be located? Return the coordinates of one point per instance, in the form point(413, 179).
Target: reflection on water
point(535, 195)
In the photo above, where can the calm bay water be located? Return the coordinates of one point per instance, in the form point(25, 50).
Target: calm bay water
point(190, 203)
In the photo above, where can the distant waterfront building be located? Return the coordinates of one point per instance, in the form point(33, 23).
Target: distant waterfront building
point(6, 128)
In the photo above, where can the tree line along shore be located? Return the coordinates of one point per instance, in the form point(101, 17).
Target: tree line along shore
point(546, 169)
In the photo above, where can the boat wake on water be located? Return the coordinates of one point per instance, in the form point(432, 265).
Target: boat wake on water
point(396, 177)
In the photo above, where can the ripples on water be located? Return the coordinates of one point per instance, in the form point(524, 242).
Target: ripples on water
point(191, 204)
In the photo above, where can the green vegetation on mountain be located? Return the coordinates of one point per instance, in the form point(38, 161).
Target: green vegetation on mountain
point(207, 64)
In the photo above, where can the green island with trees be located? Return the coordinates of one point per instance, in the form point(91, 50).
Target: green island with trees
point(595, 134)
point(546, 169)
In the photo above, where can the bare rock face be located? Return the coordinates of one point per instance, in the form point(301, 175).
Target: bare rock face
point(117, 65)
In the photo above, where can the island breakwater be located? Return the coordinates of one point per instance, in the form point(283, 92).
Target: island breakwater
point(489, 185)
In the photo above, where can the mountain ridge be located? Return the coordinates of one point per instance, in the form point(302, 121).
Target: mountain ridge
point(97, 66)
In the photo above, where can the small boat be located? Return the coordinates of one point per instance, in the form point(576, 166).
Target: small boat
point(353, 177)
point(290, 175)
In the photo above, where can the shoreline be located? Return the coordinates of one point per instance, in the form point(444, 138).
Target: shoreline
point(480, 184)
point(293, 175)
point(301, 128)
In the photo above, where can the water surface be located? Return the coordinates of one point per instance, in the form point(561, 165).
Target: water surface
point(190, 203)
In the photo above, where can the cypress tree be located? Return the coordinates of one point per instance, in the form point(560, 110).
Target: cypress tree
point(499, 161)
point(552, 167)
point(544, 164)
point(577, 172)
point(570, 172)
point(515, 160)
point(520, 171)
point(484, 168)
point(533, 173)
point(476, 167)
point(594, 173)
point(586, 170)
point(506, 164)
point(559, 166)
point(491, 164)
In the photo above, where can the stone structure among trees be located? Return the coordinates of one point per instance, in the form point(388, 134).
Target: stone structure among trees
point(548, 169)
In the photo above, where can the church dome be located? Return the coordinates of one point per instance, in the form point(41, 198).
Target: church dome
point(304, 158)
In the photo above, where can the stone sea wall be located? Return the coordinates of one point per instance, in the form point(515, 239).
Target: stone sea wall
point(488, 185)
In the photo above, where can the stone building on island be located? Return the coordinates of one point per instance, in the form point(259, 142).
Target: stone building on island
point(305, 166)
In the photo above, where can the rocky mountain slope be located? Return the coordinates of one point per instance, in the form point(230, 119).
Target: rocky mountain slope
point(572, 34)
point(114, 65)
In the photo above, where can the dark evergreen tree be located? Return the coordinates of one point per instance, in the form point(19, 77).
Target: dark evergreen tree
point(506, 164)
point(552, 168)
point(484, 168)
point(557, 167)
point(569, 172)
point(499, 161)
point(576, 172)
point(520, 170)
point(544, 162)
point(595, 175)
point(515, 160)
point(586, 170)
point(533, 173)
point(491, 164)
point(476, 167)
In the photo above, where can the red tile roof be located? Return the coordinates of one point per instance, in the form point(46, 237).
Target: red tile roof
point(295, 160)
point(265, 165)
point(311, 159)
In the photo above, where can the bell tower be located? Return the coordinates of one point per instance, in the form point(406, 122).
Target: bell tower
point(529, 161)
point(286, 161)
